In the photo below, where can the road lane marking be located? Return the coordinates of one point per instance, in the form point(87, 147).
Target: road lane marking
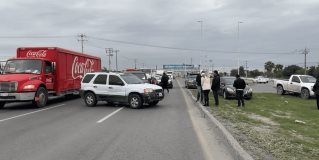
point(22, 115)
point(110, 115)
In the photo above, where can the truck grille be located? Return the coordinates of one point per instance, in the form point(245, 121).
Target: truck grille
point(8, 86)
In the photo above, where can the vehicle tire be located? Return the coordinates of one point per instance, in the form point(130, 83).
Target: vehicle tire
point(280, 90)
point(90, 99)
point(225, 95)
point(135, 101)
point(2, 104)
point(305, 94)
point(42, 94)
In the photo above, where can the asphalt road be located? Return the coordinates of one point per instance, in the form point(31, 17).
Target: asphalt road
point(68, 130)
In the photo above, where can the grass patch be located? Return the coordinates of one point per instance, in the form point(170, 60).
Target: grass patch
point(268, 120)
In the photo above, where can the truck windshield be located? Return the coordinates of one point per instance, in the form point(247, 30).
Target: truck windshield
point(131, 79)
point(308, 79)
point(23, 66)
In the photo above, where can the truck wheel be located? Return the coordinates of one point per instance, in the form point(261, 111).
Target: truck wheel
point(41, 98)
point(305, 93)
point(2, 104)
point(280, 90)
point(135, 101)
point(90, 99)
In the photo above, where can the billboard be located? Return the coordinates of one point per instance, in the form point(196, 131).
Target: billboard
point(178, 66)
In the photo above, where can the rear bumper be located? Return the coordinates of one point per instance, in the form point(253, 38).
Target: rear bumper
point(13, 97)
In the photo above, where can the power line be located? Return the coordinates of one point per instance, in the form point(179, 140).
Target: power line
point(35, 37)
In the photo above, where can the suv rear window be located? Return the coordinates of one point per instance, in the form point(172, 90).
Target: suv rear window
point(100, 79)
point(87, 78)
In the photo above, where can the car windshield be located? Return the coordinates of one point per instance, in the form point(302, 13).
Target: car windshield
point(308, 79)
point(230, 80)
point(140, 75)
point(23, 66)
point(192, 77)
point(131, 79)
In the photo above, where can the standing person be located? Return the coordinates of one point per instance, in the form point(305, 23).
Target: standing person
point(164, 82)
point(240, 85)
point(316, 90)
point(199, 88)
point(216, 87)
point(205, 81)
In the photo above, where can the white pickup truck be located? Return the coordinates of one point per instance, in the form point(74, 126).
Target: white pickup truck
point(300, 84)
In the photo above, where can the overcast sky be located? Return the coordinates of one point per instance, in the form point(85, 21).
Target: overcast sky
point(276, 30)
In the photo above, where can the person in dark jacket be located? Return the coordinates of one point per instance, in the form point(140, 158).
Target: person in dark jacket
point(199, 88)
point(240, 85)
point(216, 87)
point(164, 82)
point(316, 90)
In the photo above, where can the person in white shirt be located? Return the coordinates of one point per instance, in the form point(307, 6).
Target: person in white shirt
point(206, 86)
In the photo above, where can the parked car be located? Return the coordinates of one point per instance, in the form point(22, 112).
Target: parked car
point(261, 79)
point(300, 84)
point(122, 88)
point(190, 81)
point(228, 91)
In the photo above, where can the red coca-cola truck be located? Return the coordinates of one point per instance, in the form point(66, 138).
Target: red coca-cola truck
point(38, 73)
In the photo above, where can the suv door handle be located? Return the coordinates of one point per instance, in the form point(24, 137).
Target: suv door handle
point(110, 87)
point(94, 86)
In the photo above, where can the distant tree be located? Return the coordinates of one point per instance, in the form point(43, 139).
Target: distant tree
point(278, 70)
point(242, 72)
point(233, 72)
point(312, 71)
point(255, 73)
point(292, 69)
point(269, 66)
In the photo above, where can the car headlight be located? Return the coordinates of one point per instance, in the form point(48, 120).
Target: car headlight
point(230, 90)
point(148, 90)
point(30, 86)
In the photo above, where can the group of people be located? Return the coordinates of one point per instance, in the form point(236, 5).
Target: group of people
point(204, 85)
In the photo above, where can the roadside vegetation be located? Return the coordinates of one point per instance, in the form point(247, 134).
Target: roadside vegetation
point(280, 127)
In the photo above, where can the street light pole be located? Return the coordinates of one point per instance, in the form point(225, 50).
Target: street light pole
point(238, 46)
point(116, 51)
point(201, 39)
point(109, 52)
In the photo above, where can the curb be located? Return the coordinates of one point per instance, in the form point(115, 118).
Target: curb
point(239, 152)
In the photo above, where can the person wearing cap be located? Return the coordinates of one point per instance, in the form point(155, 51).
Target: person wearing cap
point(216, 87)
point(240, 85)
point(316, 90)
point(206, 86)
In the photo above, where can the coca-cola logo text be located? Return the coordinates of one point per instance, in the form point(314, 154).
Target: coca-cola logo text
point(80, 68)
point(37, 54)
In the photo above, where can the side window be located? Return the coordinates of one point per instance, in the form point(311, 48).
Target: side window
point(100, 79)
point(295, 79)
point(48, 67)
point(87, 78)
point(115, 80)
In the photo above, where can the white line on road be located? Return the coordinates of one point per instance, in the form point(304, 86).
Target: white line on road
point(110, 115)
point(22, 115)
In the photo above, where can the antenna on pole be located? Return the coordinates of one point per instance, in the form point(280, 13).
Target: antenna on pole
point(306, 51)
point(109, 52)
point(82, 39)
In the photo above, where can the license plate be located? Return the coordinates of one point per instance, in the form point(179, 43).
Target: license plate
point(4, 94)
point(160, 94)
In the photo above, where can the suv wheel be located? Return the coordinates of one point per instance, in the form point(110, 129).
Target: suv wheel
point(90, 99)
point(42, 98)
point(135, 101)
point(225, 95)
point(305, 93)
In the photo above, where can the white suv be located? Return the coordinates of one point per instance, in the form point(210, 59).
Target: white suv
point(122, 88)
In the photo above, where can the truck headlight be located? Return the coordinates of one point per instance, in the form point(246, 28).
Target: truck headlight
point(148, 90)
point(30, 86)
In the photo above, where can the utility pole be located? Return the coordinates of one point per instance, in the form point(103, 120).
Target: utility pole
point(135, 60)
point(306, 51)
point(116, 51)
point(82, 36)
point(109, 52)
point(246, 68)
point(238, 45)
